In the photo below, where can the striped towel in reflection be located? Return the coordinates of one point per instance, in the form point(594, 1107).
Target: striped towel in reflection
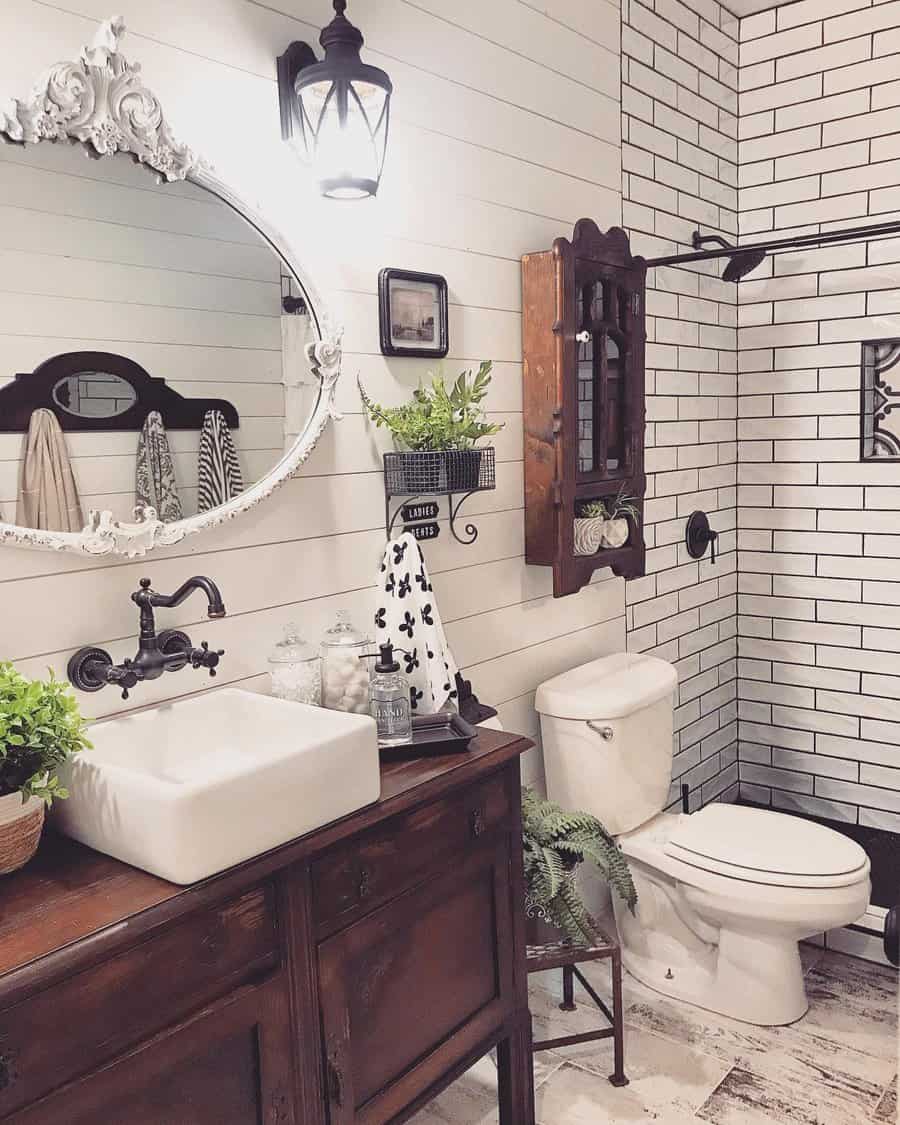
point(219, 469)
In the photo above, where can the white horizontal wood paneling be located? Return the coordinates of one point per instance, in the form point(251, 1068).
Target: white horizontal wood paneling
point(211, 289)
point(494, 152)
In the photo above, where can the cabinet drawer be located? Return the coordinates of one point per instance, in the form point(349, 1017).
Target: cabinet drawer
point(88, 1018)
point(355, 877)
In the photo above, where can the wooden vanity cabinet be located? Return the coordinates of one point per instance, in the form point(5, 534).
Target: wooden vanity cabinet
point(229, 1064)
point(345, 978)
point(583, 339)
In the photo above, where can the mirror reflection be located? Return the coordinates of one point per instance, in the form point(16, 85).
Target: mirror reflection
point(94, 394)
point(99, 258)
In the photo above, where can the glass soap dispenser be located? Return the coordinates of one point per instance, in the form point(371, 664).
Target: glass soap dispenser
point(295, 669)
point(390, 700)
point(345, 678)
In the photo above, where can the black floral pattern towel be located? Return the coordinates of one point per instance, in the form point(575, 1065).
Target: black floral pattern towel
point(406, 614)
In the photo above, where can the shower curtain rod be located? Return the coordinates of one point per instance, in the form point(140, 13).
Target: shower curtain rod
point(848, 234)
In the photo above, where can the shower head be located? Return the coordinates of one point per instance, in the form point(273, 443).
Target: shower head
point(740, 263)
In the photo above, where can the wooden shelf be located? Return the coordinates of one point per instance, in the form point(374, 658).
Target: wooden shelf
point(583, 341)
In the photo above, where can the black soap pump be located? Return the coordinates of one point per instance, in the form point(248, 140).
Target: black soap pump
point(390, 700)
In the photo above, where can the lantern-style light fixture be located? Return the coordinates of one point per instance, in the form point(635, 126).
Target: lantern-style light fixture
point(337, 108)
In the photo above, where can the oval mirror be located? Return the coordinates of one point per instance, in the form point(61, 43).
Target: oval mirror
point(143, 326)
point(93, 394)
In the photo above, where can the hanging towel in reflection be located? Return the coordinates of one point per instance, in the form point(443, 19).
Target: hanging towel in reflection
point(155, 483)
point(219, 471)
point(48, 495)
point(406, 614)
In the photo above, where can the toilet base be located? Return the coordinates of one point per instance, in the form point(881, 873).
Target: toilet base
point(730, 981)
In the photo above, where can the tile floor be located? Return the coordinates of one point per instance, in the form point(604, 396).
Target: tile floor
point(836, 1066)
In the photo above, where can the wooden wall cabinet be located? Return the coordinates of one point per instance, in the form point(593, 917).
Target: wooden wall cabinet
point(583, 342)
point(344, 979)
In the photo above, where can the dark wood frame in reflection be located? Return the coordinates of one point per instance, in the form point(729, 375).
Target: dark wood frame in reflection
point(578, 446)
point(32, 391)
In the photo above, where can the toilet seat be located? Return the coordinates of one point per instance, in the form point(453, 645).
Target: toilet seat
point(764, 847)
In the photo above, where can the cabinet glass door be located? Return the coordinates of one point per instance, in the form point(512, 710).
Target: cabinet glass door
point(603, 340)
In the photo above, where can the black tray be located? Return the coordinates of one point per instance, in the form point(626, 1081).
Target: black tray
point(445, 732)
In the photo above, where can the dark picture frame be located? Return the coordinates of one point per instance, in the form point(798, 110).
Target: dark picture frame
point(412, 314)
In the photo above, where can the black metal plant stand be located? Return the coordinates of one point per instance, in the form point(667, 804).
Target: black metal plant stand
point(454, 473)
point(566, 956)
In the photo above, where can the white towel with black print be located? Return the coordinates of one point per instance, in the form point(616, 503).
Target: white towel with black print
point(406, 614)
point(219, 471)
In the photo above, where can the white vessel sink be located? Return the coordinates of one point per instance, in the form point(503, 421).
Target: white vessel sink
point(189, 788)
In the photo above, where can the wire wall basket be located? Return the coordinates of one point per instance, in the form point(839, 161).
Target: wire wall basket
point(451, 472)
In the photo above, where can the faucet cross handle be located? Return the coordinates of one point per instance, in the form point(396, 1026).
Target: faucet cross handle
point(203, 657)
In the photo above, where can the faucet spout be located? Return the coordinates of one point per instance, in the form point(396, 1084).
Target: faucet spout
point(216, 607)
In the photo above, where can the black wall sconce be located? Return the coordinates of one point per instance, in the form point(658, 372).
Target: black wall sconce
point(338, 109)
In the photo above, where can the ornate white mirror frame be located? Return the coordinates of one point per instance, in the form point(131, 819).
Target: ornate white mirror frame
point(101, 101)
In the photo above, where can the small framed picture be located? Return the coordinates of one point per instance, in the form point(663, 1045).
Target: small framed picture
point(412, 310)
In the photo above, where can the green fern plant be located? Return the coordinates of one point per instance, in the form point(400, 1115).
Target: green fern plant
point(439, 418)
point(555, 842)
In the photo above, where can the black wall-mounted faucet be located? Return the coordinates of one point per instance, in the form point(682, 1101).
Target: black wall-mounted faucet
point(91, 669)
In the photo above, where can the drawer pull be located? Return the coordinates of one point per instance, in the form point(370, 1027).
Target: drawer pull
point(364, 887)
point(477, 820)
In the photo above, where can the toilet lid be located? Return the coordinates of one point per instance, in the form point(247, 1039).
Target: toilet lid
point(760, 846)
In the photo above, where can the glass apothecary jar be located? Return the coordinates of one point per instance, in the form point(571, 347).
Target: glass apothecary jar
point(295, 669)
point(345, 678)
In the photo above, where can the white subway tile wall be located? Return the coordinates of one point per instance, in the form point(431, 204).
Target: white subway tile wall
point(679, 172)
point(818, 532)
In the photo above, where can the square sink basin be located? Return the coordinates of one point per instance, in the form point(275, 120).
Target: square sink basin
point(190, 788)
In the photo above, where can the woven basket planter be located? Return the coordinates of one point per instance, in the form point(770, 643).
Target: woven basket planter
point(20, 830)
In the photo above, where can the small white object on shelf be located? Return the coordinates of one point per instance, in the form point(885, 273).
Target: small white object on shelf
point(295, 669)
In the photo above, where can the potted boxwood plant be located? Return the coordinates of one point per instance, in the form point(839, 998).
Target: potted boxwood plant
point(555, 843)
point(440, 420)
point(40, 728)
point(604, 523)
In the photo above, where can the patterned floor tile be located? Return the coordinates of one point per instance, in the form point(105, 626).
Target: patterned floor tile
point(571, 1097)
point(836, 1066)
point(887, 1107)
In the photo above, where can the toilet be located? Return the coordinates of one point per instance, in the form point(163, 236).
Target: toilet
point(725, 893)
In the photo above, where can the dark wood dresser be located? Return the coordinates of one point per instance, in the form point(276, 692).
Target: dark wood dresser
point(346, 977)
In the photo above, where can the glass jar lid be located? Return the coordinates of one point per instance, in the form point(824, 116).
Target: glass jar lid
point(344, 632)
point(292, 648)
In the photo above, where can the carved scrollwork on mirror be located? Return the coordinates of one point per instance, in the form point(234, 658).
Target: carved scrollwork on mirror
point(147, 258)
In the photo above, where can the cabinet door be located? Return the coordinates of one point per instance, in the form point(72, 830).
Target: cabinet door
point(608, 319)
point(410, 990)
point(229, 1065)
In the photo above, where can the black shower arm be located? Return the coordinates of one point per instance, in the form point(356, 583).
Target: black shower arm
point(849, 234)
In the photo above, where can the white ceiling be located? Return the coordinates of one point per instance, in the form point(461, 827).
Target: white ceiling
point(751, 7)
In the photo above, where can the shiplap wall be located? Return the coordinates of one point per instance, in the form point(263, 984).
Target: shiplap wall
point(679, 104)
point(496, 149)
point(96, 256)
point(819, 534)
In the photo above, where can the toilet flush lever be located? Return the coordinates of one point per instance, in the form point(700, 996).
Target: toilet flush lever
point(605, 732)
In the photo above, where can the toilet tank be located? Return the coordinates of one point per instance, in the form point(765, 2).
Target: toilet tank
point(607, 733)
